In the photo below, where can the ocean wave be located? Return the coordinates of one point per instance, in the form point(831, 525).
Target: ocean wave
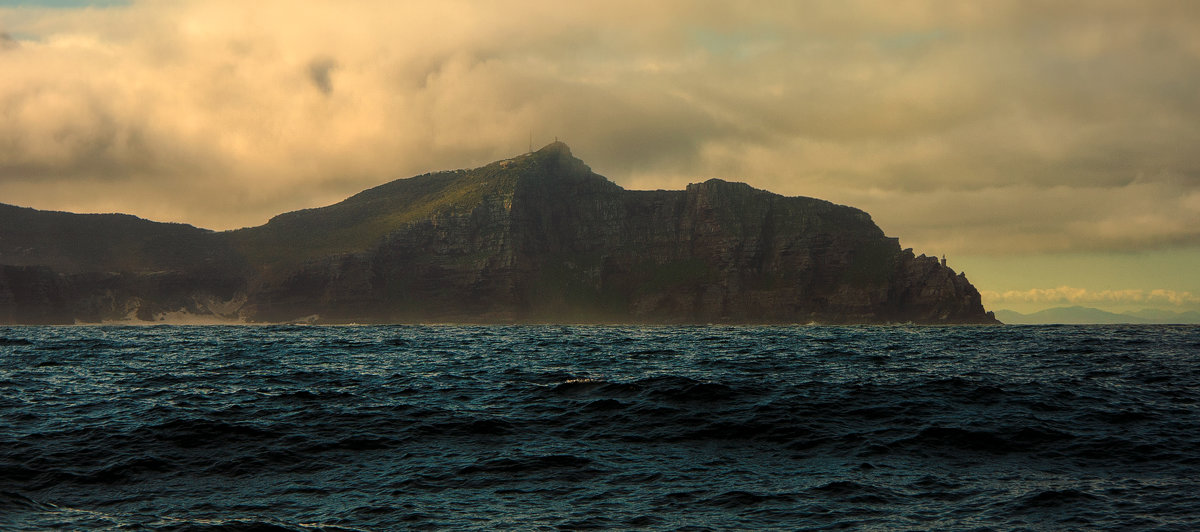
point(325, 428)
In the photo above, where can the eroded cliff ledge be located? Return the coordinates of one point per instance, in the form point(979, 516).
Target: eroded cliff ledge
point(536, 238)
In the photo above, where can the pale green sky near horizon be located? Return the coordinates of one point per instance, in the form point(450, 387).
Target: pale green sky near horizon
point(1048, 149)
point(1117, 282)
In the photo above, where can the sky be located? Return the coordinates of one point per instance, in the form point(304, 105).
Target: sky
point(1047, 148)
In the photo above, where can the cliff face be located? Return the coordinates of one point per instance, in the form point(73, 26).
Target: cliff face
point(536, 238)
point(38, 295)
point(58, 267)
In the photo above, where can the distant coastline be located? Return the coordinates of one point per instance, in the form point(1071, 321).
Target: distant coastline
point(1078, 315)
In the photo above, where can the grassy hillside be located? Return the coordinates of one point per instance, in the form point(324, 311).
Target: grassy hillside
point(361, 221)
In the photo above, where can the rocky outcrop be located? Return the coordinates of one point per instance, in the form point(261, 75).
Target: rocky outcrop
point(537, 238)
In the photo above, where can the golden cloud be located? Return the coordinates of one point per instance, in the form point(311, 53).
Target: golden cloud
point(992, 127)
point(1081, 296)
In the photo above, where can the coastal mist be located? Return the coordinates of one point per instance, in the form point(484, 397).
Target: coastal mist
point(502, 427)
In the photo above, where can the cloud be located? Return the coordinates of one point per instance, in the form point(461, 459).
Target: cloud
point(1081, 296)
point(984, 128)
point(318, 72)
point(1032, 218)
point(7, 42)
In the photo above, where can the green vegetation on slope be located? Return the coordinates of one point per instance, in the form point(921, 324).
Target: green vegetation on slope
point(362, 221)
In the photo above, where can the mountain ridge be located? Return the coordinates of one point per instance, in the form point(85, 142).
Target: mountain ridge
point(534, 238)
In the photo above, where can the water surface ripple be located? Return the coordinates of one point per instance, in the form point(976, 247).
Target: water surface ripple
point(520, 427)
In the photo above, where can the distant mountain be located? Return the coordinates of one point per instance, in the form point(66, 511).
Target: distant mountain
point(1090, 316)
point(1167, 316)
point(535, 238)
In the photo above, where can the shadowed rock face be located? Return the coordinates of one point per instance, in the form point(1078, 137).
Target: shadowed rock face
point(536, 238)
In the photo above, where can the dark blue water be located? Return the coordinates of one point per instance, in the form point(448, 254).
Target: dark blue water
point(381, 428)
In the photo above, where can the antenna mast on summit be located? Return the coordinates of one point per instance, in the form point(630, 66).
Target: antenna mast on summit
point(530, 141)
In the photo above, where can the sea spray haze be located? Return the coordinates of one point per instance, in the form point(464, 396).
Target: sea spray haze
point(536, 238)
point(486, 427)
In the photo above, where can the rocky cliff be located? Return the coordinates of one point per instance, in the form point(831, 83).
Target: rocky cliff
point(536, 238)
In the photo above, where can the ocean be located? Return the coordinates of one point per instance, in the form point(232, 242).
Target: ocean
point(229, 428)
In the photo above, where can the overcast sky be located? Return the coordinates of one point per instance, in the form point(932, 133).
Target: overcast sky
point(1050, 149)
